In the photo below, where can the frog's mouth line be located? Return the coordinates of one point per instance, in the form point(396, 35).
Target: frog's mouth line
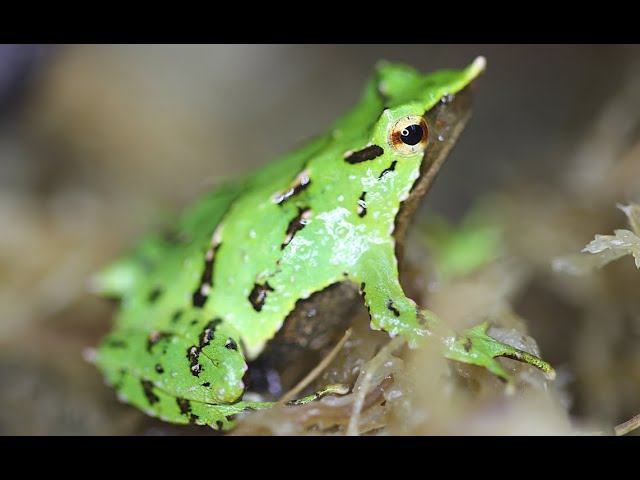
point(446, 121)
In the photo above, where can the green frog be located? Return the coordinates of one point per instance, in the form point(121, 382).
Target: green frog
point(284, 253)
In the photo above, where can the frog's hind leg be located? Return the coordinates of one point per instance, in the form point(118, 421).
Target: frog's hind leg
point(392, 311)
point(156, 402)
point(176, 376)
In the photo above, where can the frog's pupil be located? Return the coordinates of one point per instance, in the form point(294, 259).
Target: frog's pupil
point(411, 135)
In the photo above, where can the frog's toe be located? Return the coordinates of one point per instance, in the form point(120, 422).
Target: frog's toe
point(476, 347)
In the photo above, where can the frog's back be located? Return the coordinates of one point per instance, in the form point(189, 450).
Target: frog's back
point(164, 273)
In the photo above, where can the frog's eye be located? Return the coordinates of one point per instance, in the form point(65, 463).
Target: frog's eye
point(409, 135)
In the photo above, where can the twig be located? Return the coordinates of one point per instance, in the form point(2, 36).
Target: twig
point(313, 374)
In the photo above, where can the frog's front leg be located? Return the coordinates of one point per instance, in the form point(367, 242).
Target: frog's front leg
point(391, 310)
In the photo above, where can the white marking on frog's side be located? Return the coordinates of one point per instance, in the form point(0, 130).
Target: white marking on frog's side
point(301, 180)
point(391, 229)
point(90, 355)
point(216, 238)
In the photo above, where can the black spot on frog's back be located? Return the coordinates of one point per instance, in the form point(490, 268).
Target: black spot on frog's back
point(157, 337)
point(174, 237)
point(296, 224)
point(299, 184)
point(176, 316)
point(258, 295)
point(154, 295)
point(362, 205)
point(392, 308)
point(184, 405)
point(201, 294)
point(366, 154)
point(231, 344)
point(208, 332)
point(185, 409)
point(193, 355)
point(147, 388)
point(116, 343)
point(388, 170)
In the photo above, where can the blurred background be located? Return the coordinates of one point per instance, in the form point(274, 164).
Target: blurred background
point(99, 143)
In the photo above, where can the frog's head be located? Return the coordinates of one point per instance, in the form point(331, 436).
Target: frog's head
point(418, 119)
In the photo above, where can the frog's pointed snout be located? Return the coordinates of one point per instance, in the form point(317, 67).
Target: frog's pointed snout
point(477, 67)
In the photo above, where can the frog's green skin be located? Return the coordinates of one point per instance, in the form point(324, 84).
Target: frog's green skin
point(196, 305)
